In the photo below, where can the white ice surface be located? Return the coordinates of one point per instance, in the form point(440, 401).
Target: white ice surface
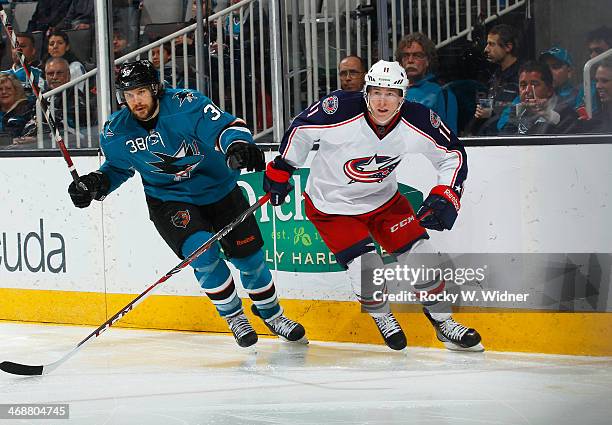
point(157, 377)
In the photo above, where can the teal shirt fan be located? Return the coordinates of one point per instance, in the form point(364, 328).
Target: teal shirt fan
point(182, 159)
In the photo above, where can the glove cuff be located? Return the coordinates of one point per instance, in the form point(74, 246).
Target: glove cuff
point(447, 193)
point(276, 175)
point(103, 185)
point(281, 164)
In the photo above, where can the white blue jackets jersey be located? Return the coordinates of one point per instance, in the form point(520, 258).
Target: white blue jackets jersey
point(183, 158)
point(353, 172)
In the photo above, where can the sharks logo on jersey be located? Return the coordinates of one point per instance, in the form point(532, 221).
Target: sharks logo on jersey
point(183, 96)
point(181, 164)
point(370, 169)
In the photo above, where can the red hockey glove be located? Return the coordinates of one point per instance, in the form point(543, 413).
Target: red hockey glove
point(276, 180)
point(439, 210)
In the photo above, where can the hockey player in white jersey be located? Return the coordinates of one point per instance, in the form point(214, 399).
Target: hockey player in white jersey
point(352, 194)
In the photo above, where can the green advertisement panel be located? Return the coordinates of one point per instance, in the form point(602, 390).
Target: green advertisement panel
point(299, 247)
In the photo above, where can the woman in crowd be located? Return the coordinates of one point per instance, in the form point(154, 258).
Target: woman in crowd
point(58, 46)
point(16, 111)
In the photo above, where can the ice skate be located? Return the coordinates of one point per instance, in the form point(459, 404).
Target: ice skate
point(286, 329)
point(390, 330)
point(241, 328)
point(455, 336)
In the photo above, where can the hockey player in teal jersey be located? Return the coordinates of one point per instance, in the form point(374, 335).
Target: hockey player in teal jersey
point(188, 153)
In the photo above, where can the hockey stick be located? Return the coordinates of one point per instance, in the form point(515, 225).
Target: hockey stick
point(23, 369)
point(43, 103)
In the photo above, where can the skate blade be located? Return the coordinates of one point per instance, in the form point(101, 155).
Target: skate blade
point(251, 349)
point(478, 348)
point(303, 340)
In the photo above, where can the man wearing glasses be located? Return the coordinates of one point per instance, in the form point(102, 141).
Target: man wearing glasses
point(417, 54)
point(351, 70)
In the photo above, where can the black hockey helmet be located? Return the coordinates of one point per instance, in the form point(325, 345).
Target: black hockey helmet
point(138, 74)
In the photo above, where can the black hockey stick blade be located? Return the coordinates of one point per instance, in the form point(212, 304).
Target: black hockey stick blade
point(21, 369)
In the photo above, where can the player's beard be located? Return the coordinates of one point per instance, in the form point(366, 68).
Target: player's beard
point(148, 113)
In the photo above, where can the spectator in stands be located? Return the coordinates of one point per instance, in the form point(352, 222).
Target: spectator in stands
point(164, 53)
point(598, 41)
point(191, 35)
point(58, 46)
point(603, 83)
point(16, 111)
point(126, 14)
point(539, 110)
point(48, 15)
point(80, 15)
point(501, 49)
point(57, 71)
point(352, 70)
point(417, 54)
point(25, 42)
point(560, 63)
point(602, 119)
point(120, 43)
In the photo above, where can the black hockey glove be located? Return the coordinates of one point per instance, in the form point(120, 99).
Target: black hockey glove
point(439, 210)
point(276, 180)
point(96, 187)
point(245, 155)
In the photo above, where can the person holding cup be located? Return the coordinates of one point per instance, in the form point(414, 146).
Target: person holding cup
point(484, 105)
point(501, 49)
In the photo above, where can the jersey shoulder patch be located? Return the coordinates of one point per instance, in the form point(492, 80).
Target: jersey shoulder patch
point(426, 120)
point(419, 115)
point(329, 105)
point(338, 106)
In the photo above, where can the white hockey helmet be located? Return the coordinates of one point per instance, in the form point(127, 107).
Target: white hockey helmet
point(387, 74)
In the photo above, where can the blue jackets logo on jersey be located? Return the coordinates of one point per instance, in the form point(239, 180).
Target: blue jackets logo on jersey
point(330, 105)
point(183, 96)
point(370, 169)
point(181, 164)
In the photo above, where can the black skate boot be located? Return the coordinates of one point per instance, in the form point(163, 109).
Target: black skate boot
point(241, 328)
point(454, 335)
point(286, 329)
point(390, 330)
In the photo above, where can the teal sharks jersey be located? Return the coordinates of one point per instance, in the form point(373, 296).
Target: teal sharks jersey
point(183, 158)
